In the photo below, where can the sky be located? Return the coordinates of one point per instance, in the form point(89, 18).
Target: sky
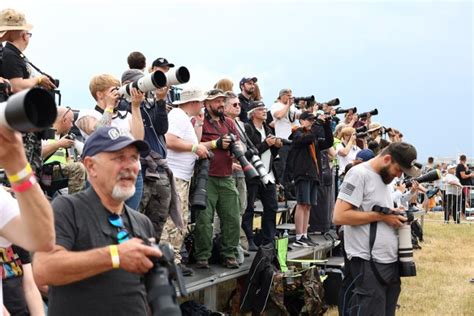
point(412, 60)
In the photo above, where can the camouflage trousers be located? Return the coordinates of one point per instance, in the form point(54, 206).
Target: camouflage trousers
point(76, 174)
point(171, 233)
point(156, 201)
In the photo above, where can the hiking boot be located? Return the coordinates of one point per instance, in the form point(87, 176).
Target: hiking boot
point(185, 270)
point(230, 263)
point(202, 264)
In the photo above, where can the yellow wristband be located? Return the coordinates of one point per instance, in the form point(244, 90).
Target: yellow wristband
point(194, 148)
point(115, 256)
point(214, 144)
point(22, 174)
point(40, 78)
point(109, 110)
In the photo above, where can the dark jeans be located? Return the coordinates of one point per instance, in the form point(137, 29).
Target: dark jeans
point(267, 195)
point(452, 207)
point(363, 294)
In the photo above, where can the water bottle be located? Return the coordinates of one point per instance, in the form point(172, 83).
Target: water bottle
point(285, 233)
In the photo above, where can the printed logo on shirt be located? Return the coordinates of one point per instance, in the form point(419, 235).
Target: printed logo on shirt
point(347, 188)
point(11, 263)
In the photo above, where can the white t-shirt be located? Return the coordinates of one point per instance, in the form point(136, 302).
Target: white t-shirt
point(283, 125)
point(181, 163)
point(8, 210)
point(266, 156)
point(451, 188)
point(122, 124)
point(349, 158)
point(364, 188)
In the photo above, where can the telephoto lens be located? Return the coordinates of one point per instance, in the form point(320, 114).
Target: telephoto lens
point(247, 167)
point(30, 110)
point(342, 111)
point(372, 113)
point(431, 176)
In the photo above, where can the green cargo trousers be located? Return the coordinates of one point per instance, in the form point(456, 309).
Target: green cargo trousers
point(223, 197)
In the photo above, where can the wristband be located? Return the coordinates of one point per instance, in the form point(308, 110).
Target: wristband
point(39, 80)
point(194, 148)
point(113, 249)
point(21, 175)
point(214, 144)
point(26, 185)
point(109, 110)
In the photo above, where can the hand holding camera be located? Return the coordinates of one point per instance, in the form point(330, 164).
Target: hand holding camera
point(66, 142)
point(135, 256)
point(270, 140)
point(223, 142)
point(45, 82)
point(137, 97)
point(112, 98)
point(202, 151)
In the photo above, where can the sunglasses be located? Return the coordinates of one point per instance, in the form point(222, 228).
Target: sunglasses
point(235, 105)
point(68, 110)
point(116, 221)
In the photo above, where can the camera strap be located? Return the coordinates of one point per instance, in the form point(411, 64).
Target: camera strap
point(116, 113)
point(373, 234)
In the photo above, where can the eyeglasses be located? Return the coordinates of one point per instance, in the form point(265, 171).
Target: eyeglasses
point(68, 110)
point(116, 221)
point(29, 34)
point(235, 104)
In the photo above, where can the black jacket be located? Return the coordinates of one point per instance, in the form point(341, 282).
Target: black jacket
point(244, 107)
point(299, 160)
point(256, 138)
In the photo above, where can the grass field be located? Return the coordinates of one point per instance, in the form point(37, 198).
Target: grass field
point(444, 267)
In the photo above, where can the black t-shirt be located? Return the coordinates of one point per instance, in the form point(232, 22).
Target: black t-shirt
point(460, 168)
point(81, 223)
point(13, 63)
point(12, 259)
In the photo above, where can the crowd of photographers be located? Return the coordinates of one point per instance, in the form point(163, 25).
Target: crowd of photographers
point(177, 156)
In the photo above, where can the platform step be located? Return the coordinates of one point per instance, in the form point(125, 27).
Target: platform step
point(287, 226)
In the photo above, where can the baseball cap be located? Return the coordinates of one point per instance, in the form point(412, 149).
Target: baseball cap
point(451, 167)
point(109, 139)
point(365, 155)
point(131, 75)
point(12, 20)
point(189, 95)
point(214, 94)
point(161, 62)
point(255, 105)
point(306, 116)
point(247, 79)
point(405, 155)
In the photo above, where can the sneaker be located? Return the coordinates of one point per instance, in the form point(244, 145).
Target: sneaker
point(300, 243)
point(230, 263)
point(309, 241)
point(185, 270)
point(202, 264)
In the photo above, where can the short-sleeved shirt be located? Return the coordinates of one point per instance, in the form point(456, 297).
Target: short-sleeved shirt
point(343, 161)
point(221, 164)
point(460, 168)
point(451, 188)
point(364, 188)
point(283, 125)
point(8, 210)
point(13, 63)
point(12, 260)
point(120, 120)
point(181, 163)
point(81, 224)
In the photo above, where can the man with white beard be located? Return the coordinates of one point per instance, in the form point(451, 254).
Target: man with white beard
point(98, 257)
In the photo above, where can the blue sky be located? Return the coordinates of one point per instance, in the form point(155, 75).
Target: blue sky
point(410, 59)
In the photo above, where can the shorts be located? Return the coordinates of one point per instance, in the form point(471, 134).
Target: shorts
point(306, 192)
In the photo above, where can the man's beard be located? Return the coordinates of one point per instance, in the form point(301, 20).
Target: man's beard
point(121, 193)
point(217, 112)
point(385, 175)
point(249, 92)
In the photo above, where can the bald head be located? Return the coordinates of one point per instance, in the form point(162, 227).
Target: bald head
point(64, 120)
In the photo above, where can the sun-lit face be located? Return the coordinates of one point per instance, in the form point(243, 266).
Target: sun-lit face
point(115, 172)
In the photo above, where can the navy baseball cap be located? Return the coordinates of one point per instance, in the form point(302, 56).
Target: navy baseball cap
point(247, 79)
point(109, 139)
point(162, 62)
point(365, 155)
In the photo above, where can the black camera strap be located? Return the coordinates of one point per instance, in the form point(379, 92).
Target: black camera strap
point(373, 234)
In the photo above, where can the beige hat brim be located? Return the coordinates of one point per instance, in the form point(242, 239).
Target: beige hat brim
point(5, 28)
point(220, 95)
point(201, 99)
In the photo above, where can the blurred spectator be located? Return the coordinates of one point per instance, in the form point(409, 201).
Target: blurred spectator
point(224, 84)
point(347, 149)
point(136, 60)
point(247, 88)
point(454, 192)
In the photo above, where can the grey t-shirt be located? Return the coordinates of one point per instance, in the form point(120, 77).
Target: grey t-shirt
point(364, 188)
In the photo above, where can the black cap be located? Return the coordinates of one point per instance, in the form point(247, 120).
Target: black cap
point(161, 62)
point(247, 79)
point(405, 155)
point(307, 116)
point(109, 139)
